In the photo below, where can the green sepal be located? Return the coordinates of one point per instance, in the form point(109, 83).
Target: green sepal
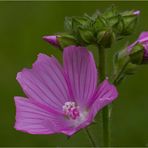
point(130, 23)
point(120, 61)
point(66, 40)
point(68, 24)
point(87, 36)
point(106, 38)
point(110, 12)
point(137, 54)
point(130, 69)
point(128, 13)
point(80, 22)
point(99, 24)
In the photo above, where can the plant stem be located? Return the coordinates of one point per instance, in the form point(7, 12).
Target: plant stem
point(90, 137)
point(106, 111)
point(102, 63)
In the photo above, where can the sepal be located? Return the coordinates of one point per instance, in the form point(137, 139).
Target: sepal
point(137, 54)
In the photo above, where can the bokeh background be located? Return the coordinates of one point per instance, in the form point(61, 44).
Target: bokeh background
point(22, 25)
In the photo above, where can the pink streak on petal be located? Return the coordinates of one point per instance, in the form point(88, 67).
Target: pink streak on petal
point(81, 71)
point(35, 118)
point(45, 82)
point(51, 40)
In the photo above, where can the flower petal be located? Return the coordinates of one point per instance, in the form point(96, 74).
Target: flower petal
point(81, 70)
point(105, 94)
point(35, 118)
point(143, 37)
point(45, 82)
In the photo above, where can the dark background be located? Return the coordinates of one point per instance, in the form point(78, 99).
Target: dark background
point(22, 25)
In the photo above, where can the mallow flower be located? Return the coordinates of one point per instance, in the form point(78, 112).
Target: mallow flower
point(139, 49)
point(61, 99)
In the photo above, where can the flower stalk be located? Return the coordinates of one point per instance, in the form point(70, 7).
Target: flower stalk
point(106, 110)
point(91, 139)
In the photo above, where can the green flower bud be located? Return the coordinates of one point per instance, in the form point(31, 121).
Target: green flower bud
point(128, 22)
point(136, 54)
point(86, 36)
point(106, 38)
point(110, 12)
point(72, 24)
point(99, 24)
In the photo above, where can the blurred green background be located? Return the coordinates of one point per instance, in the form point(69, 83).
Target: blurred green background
point(22, 25)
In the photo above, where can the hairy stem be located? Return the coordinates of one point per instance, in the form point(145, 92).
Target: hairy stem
point(90, 137)
point(106, 111)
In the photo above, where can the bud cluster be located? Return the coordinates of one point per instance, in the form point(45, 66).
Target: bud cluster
point(99, 29)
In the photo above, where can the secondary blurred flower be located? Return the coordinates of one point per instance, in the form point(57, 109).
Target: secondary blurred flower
point(61, 99)
point(52, 40)
point(139, 49)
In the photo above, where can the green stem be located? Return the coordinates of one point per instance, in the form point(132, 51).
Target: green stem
point(102, 63)
point(90, 137)
point(106, 110)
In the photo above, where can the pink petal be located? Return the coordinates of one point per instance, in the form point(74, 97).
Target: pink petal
point(143, 37)
point(35, 118)
point(105, 94)
point(45, 82)
point(81, 71)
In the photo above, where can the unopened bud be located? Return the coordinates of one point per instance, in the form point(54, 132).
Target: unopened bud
point(139, 49)
point(52, 40)
point(129, 20)
point(106, 38)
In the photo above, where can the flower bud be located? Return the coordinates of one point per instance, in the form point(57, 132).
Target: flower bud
point(139, 49)
point(60, 41)
point(106, 38)
point(52, 40)
point(128, 21)
point(86, 36)
point(136, 54)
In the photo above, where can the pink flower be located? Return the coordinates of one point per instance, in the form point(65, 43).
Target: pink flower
point(61, 99)
point(143, 40)
point(51, 40)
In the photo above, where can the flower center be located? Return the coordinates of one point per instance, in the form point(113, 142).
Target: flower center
point(71, 110)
